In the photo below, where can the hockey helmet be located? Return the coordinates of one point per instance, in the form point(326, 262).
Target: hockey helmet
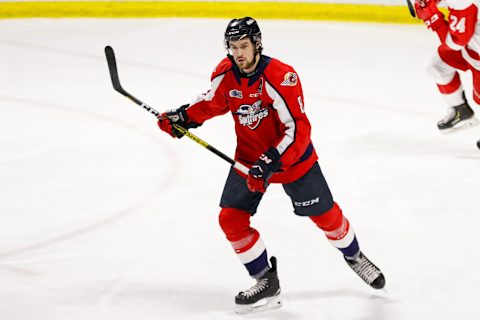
point(240, 28)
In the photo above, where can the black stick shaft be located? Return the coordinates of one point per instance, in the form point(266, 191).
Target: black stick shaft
point(411, 8)
point(112, 67)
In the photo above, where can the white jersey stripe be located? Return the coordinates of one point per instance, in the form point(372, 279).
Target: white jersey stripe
point(285, 116)
point(452, 45)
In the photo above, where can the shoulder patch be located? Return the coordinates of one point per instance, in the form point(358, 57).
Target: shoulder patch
point(290, 79)
point(234, 93)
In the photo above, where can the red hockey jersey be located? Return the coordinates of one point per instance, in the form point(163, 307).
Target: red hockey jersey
point(463, 33)
point(268, 109)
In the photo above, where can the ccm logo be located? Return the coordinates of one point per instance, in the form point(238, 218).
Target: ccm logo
point(306, 203)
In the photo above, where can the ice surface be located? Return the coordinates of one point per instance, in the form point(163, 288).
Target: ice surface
point(105, 217)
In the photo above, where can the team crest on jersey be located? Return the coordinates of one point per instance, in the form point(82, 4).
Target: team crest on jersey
point(236, 94)
point(251, 115)
point(290, 79)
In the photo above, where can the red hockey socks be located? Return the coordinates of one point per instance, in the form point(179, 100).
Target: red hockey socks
point(245, 240)
point(338, 230)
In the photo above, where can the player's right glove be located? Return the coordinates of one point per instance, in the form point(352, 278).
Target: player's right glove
point(263, 169)
point(177, 116)
point(427, 11)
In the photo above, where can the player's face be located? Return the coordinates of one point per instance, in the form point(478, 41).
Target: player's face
point(243, 52)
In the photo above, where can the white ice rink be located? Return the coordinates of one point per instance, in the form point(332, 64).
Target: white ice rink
point(105, 217)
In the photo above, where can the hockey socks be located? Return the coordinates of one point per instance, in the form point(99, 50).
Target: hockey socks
point(452, 91)
point(245, 240)
point(252, 254)
point(338, 231)
point(341, 236)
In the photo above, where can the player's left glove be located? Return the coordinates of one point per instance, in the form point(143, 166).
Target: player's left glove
point(427, 11)
point(177, 116)
point(262, 170)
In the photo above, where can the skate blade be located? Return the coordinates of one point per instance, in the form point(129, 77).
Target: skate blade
point(471, 122)
point(261, 305)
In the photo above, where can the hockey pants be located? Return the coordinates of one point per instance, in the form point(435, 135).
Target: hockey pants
point(443, 66)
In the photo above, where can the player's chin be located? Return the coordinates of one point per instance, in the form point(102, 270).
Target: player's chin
point(241, 63)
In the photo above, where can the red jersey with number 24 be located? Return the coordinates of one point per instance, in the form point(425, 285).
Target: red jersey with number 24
point(463, 33)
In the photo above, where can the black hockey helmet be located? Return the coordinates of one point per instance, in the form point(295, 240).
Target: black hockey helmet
point(240, 28)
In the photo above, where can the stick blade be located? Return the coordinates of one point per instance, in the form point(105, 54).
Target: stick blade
point(112, 67)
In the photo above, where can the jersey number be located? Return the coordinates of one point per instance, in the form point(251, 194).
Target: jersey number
point(457, 25)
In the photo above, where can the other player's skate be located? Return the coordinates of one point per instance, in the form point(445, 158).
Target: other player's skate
point(459, 117)
point(264, 295)
point(366, 270)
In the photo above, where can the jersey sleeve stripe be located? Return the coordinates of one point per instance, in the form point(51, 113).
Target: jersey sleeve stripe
point(451, 43)
point(285, 116)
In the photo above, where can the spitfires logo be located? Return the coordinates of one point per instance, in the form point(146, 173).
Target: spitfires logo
point(251, 115)
point(290, 79)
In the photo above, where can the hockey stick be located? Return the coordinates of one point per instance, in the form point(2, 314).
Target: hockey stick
point(112, 67)
point(411, 8)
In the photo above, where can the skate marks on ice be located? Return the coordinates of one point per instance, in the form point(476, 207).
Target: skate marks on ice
point(420, 137)
point(99, 218)
point(100, 57)
point(198, 302)
point(370, 154)
point(329, 305)
point(127, 298)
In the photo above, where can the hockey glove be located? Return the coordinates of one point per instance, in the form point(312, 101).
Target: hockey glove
point(262, 170)
point(178, 116)
point(427, 11)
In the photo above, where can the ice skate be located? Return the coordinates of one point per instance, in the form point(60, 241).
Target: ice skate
point(264, 295)
point(366, 270)
point(459, 117)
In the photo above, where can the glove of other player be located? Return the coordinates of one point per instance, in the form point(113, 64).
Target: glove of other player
point(177, 116)
point(427, 11)
point(262, 170)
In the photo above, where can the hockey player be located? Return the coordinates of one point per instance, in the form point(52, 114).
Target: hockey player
point(459, 51)
point(265, 98)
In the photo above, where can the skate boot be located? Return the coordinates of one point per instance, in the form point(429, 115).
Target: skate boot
point(459, 117)
point(367, 271)
point(263, 295)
